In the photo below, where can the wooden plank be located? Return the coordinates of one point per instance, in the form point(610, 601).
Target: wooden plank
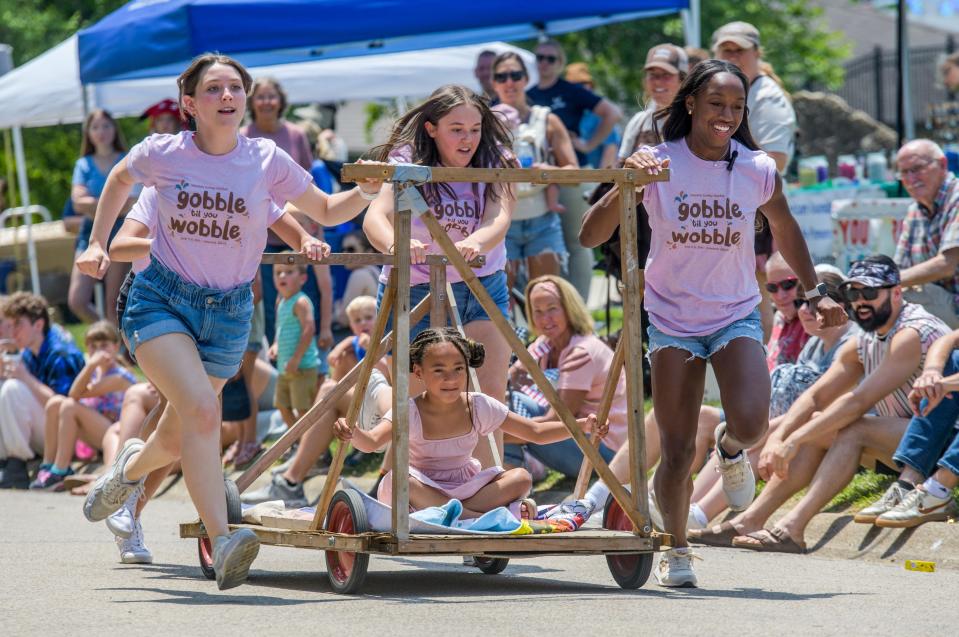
point(602, 415)
point(554, 543)
point(320, 540)
point(552, 395)
point(371, 258)
point(495, 459)
point(438, 294)
point(632, 333)
point(359, 392)
point(352, 172)
point(401, 368)
point(310, 418)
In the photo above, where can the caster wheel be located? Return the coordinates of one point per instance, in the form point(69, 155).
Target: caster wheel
point(630, 570)
point(490, 565)
point(234, 510)
point(205, 550)
point(347, 570)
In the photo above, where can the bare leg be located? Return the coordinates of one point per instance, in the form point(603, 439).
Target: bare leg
point(80, 296)
point(74, 419)
point(110, 444)
point(839, 465)
point(248, 371)
point(508, 487)
point(111, 288)
point(677, 402)
point(492, 377)
point(744, 388)
point(316, 440)
point(546, 263)
point(51, 428)
point(172, 362)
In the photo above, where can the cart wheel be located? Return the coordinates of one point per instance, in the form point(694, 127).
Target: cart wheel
point(490, 565)
point(630, 570)
point(347, 570)
point(234, 510)
point(205, 550)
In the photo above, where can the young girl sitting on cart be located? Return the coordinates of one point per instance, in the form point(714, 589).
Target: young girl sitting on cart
point(445, 423)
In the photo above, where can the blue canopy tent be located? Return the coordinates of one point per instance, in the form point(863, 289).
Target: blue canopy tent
point(146, 38)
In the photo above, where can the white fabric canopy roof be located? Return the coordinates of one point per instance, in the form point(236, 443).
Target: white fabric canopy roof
point(47, 90)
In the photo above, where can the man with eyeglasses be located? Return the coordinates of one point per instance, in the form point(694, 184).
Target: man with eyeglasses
point(928, 249)
point(568, 102)
point(856, 413)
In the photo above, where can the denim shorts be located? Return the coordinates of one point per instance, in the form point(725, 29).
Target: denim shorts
point(469, 308)
point(536, 236)
point(705, 346)
point(161, 302)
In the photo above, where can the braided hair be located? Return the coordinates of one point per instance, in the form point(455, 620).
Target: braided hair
point(473, 353)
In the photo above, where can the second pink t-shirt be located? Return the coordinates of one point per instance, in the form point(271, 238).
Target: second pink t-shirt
point(701, 270)
point(213, 210)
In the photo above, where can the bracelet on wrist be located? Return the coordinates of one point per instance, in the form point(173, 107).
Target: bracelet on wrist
point(366, 195)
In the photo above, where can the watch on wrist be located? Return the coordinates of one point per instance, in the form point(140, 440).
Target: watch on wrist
point(816, 293)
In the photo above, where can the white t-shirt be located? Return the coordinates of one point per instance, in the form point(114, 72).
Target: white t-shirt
point(641, 130)
point(772, 120)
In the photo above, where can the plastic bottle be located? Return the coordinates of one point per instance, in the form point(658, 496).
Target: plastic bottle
point(525, 155)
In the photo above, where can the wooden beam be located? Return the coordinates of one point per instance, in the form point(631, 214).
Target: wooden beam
point(438, 294)
point(371, 258)
point(401, 367)
point(359, 392)
point(352, 172)
point(471, 280)
point(605, 404)
point(313, 415)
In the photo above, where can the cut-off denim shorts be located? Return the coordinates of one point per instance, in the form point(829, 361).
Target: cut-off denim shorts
point(469, 308)
point(705, 346)
point(161, 302)
point(536, 236)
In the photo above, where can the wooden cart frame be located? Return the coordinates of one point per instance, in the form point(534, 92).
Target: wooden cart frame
point(339, 525)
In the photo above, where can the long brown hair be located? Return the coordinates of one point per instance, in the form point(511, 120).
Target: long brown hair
point(410, 131)
point(87, 146)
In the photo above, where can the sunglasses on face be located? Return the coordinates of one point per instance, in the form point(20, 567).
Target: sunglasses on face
point(550, 59)
point(516, 76)
point(867, 294)
point(785, 284)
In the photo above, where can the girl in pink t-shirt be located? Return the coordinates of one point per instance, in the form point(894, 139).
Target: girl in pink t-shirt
point(700, 287)
point(188, 315)
point(455, 128)
point(445, 423)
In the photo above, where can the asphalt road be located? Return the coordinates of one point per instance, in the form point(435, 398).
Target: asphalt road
point(60, 575)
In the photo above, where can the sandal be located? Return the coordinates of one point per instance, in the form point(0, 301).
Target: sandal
point(528, 509)
point(774, 540)
point(249, 451)
point(78, 480)
point(719, 535)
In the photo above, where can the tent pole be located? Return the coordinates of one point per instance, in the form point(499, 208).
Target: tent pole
point(692, 24)
point(25, 202)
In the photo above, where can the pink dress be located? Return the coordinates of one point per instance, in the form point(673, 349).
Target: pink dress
point(448, 464)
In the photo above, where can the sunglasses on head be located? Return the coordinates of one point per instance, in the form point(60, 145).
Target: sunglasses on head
point(868, 294)
point(785, 284)
point(551, 59)
point(501, 78)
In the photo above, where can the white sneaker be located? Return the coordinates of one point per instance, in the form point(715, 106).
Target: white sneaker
point(739, 482)
point(675, 569)
point(121, 522)
point(232, 556)
point(132, 549)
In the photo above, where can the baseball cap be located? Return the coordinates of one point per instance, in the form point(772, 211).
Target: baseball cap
point(740, 33)
point(668, 57)
point(578, 73)
point(873, 272)
point(164, 106)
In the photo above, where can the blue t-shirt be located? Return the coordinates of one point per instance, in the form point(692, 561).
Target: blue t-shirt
point(86, 173)
point(568, 102)
point(57, 363)
point(322, 176)
point(587, 126)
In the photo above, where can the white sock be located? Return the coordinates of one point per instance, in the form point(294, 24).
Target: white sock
point(597, 495)
point(698, 513)
point(934, 487)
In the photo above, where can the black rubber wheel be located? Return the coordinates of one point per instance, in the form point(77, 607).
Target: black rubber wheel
point(491, 565)
point(630, 570)
point(234, 509)
point(205, 550)
point(347, 570)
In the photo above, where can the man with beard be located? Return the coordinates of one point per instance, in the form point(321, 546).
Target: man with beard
point(928, 249)
point(856, 413)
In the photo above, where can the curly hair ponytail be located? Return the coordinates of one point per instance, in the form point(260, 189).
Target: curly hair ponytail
point(473, 353)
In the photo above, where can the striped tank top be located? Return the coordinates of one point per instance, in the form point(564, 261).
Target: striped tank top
point(288, 332)
point(872, 349)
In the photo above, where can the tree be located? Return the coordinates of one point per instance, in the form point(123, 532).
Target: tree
point(795, 41)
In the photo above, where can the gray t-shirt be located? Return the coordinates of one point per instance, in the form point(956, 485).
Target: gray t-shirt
point(772, 120)
point(640, 130)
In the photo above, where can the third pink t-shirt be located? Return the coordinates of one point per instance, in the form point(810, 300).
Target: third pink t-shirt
point(701, 270)
point(213, 210)
point(145, 211)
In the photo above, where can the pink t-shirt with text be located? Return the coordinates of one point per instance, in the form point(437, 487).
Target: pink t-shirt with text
point(701, 270)
point(460, 215)
point(145, 211)
point(213, 210)
point(591, 378)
